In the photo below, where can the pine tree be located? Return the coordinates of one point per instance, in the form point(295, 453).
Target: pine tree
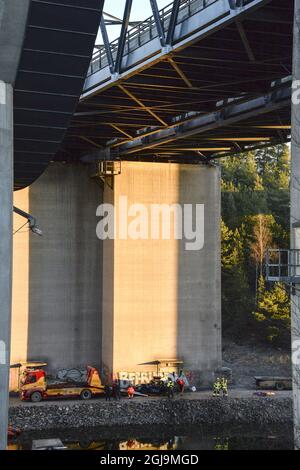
point(273, 312)
point(236, 297)
point(231, 247)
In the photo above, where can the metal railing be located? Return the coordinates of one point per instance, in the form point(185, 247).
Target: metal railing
point(145, 31)
point(283, 265)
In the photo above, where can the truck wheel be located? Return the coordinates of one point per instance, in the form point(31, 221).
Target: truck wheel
point(86, 395)
point(279, 386)
point(35, 397)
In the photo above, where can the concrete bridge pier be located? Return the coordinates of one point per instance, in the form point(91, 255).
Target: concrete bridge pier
point(6, 204)
point(295, 221)
point(57, 278)
point(161, 293)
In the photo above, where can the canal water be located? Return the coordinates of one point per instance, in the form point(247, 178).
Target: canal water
point(273, 437)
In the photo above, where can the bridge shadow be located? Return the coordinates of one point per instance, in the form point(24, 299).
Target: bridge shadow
point(199, 276)
point(65, 270)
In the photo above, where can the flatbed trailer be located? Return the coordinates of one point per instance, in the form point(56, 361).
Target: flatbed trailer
point(273, 382)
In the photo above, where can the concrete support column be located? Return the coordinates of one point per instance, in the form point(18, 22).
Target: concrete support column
point(57, 295)
point(161, 300)
point(6, 192)
point(295, 219)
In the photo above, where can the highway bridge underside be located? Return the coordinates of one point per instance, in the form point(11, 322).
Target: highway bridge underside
point(119, 303)
point(146, 294)
point(180, 107)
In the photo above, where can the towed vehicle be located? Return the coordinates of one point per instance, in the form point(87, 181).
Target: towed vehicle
point(155, 387)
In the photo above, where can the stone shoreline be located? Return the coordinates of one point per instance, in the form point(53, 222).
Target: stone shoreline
point(210, 411)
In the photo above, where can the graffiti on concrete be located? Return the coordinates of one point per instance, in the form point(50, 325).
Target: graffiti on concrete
point(137, 378)
point(72, 375)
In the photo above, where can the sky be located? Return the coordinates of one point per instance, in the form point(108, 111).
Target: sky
point(141, 10)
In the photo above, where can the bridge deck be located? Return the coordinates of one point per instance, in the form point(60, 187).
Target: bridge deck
point(181, 102)
point(58, 44)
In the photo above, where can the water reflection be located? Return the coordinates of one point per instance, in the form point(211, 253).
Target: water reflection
point(166, 438)
point(221, 443)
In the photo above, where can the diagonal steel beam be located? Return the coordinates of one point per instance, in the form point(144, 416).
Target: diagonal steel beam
point(122, 38)
point(245, 40)
point(141, 104)
point(114, 20)
point(173, 21)
point(90, 141)
point(112, 17)
point(180, 72)
point(158, 22)
point(107, 45)
point(119, 129)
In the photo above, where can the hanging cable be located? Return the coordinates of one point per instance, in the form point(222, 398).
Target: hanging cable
point(20, 228)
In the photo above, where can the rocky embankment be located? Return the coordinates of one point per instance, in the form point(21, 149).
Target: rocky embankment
point(254, 410)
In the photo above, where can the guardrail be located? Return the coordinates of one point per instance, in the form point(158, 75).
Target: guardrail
point(283, 265)
point(145, 31)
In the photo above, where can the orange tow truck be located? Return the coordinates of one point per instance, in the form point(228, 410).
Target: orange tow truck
point(35, 386)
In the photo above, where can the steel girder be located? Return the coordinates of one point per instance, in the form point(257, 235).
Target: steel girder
point(233, 57)
point(228, 114)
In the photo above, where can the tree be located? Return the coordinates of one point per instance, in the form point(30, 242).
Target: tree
point(255, 212)
point(273, 312)
point(242, 190)
point(236, 297)
point(231, 247)
point(273, 166)
point(240, 173)
point(262, 239)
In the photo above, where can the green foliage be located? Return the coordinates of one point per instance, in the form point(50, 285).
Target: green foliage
point(273, 166)
point(235, 288)
point(231, 248)
point(255, 216)
point(273, 312)
point(240, 174)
